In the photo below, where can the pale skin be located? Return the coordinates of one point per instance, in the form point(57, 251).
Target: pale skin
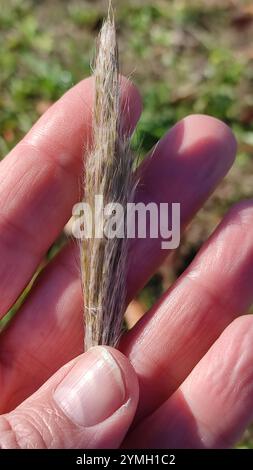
point(184, 376)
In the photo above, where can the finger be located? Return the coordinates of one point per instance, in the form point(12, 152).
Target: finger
point(58, 330)
point(214, 405)
point(28, 347)
point(170, 340)
point(184, 167)
point(40, 183)
point(89, 403)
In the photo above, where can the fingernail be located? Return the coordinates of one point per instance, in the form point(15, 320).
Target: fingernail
point(93, 389)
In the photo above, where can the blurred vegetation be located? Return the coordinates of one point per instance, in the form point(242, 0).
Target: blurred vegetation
point(186, 56)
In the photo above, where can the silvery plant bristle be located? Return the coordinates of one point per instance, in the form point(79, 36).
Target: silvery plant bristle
point(108, 172)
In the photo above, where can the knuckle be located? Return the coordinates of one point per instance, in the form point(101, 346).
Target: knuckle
point(38, 428)
point(26, 431)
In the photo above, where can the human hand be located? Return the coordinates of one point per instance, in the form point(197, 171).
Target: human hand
point(191, 356)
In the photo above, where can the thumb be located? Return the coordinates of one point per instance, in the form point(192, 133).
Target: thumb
point(89, 403)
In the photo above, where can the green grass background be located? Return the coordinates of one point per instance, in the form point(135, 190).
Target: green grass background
point(185, 56)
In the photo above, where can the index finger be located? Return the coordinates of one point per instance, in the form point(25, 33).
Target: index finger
point(39, 182)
